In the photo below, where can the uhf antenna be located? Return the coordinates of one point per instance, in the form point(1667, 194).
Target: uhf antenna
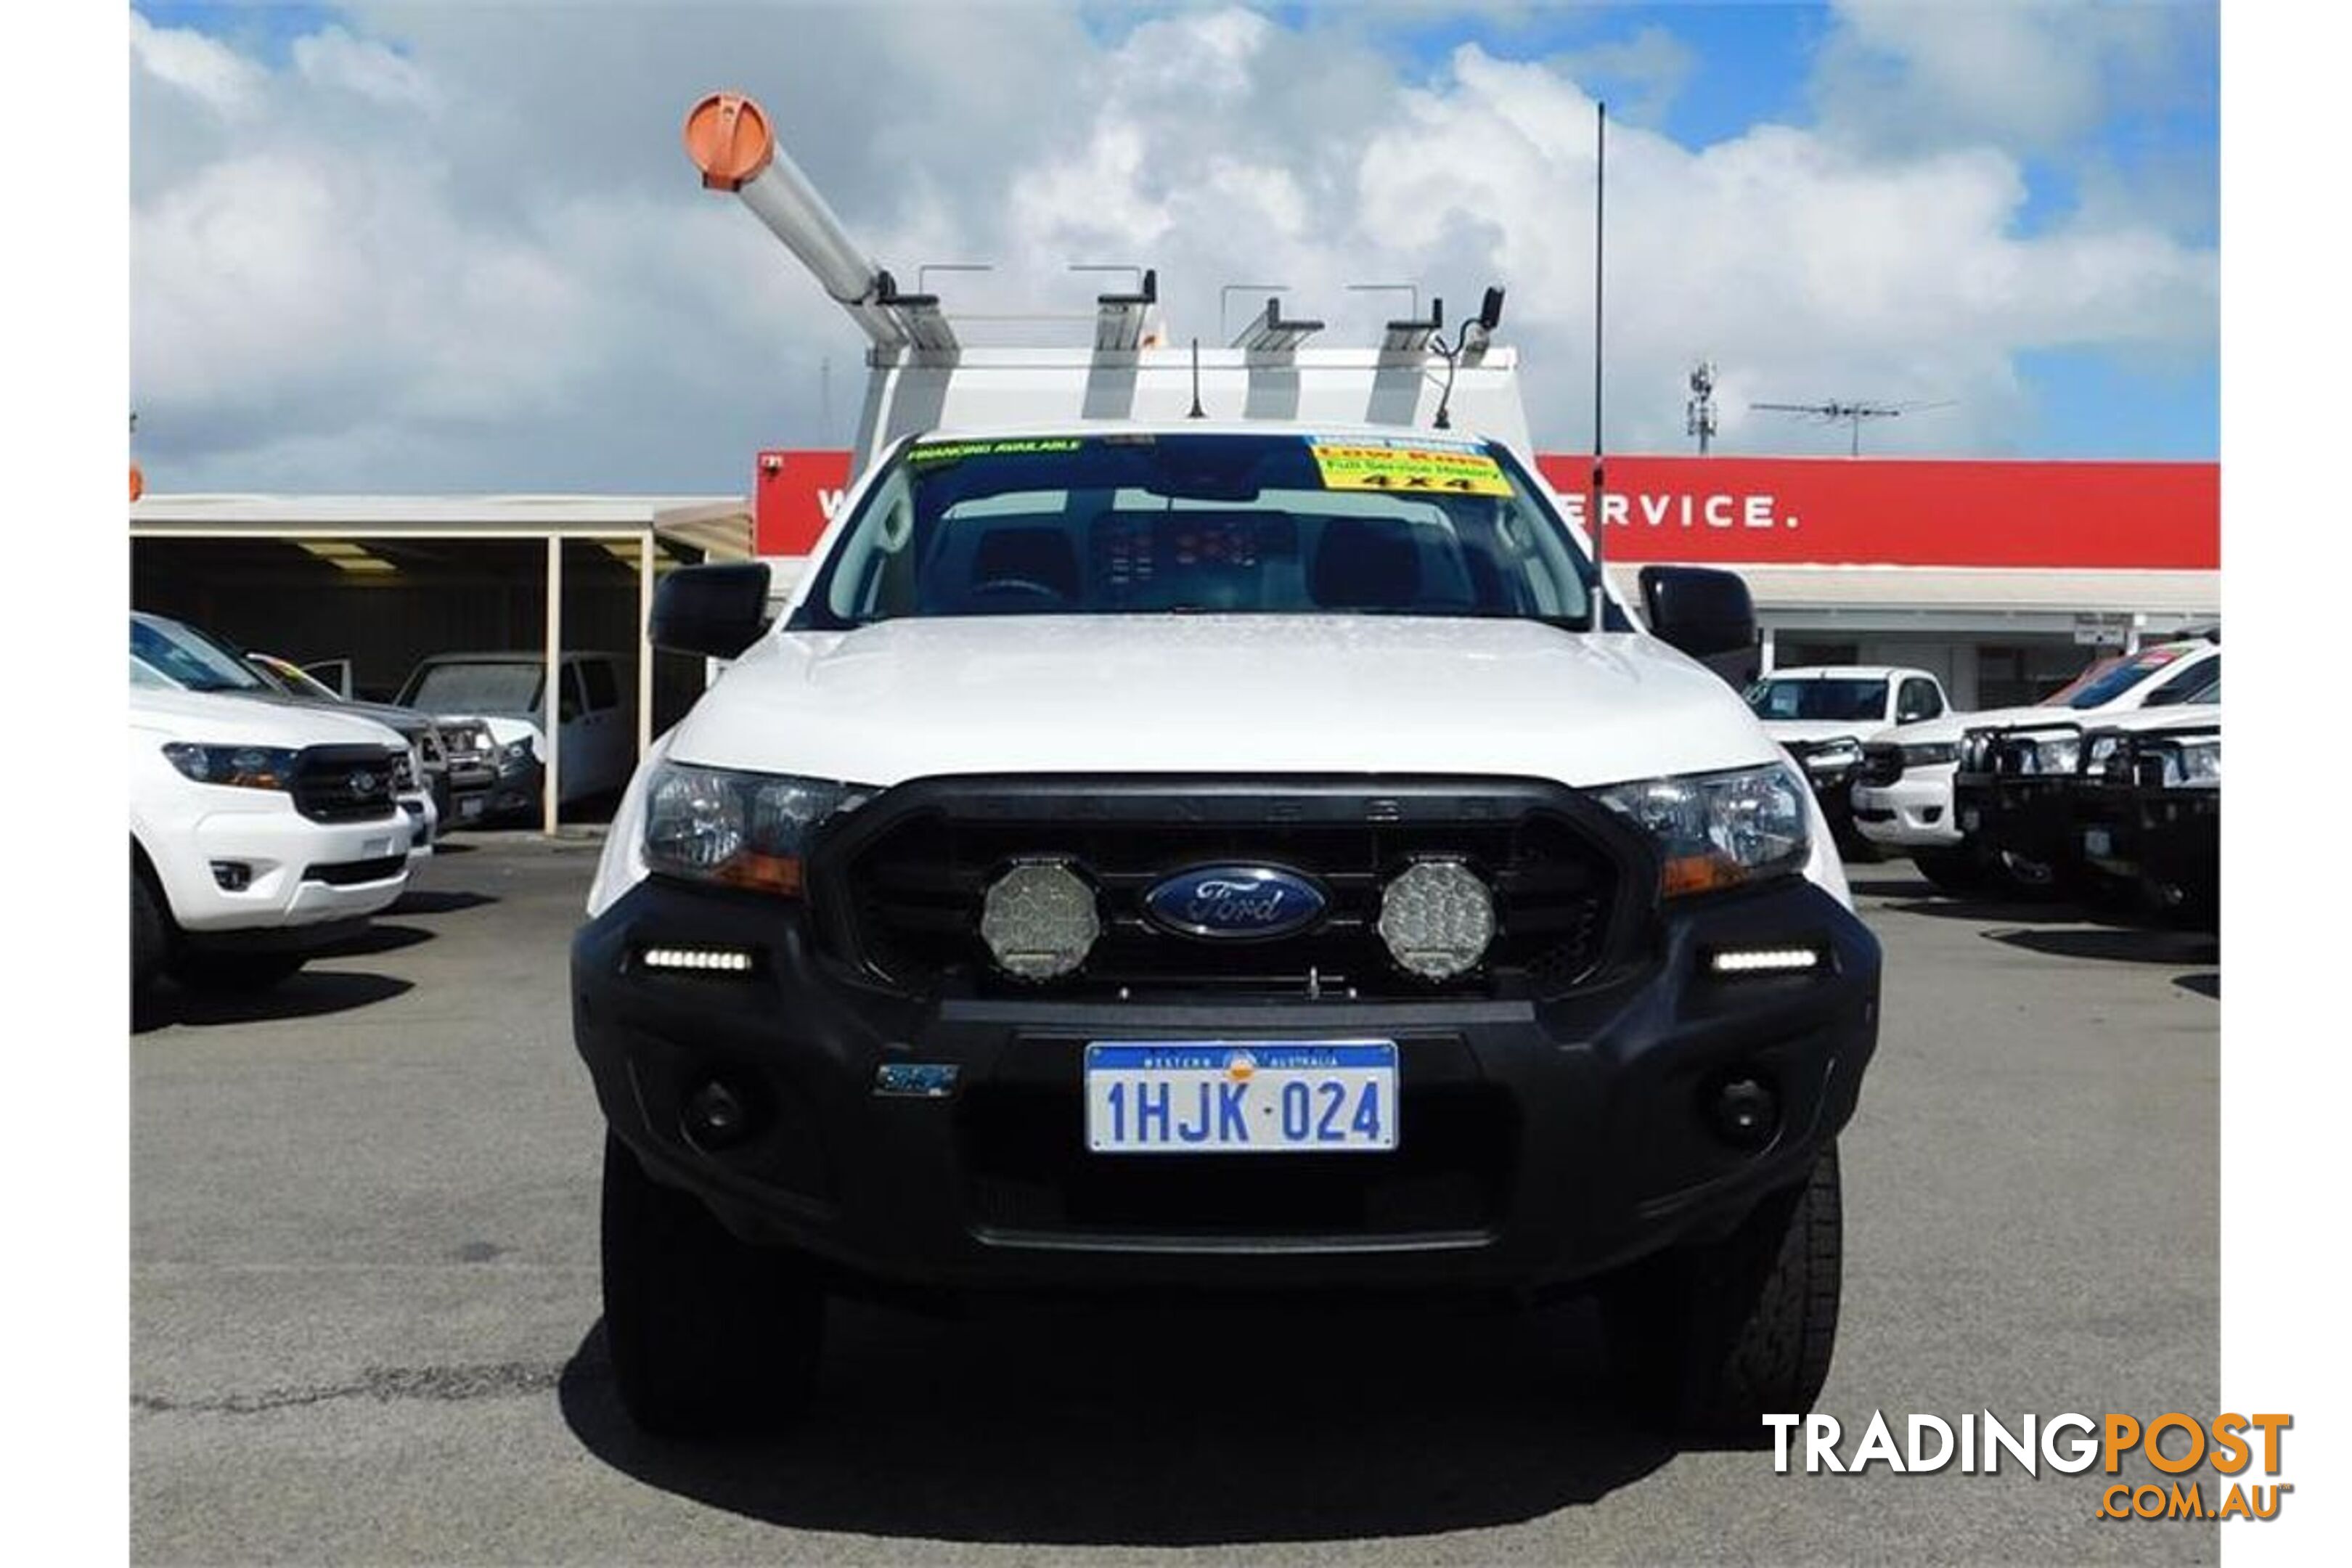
point(1699, 414)
point(1196, 413)
point(1600, 477)
point(1851, 415)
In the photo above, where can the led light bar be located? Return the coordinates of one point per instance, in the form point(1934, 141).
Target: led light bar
point(1763, 960)
point(698, 960)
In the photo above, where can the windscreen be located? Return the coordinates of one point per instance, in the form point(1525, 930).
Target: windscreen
point(293, 678)
point(475, 686)
point(1224, 523)
point(188, 660)
point(1830, 698)
point(2107, 685)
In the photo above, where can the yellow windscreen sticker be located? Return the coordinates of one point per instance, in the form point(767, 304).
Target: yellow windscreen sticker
point(1449, 472)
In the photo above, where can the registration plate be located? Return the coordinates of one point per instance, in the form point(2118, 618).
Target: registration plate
point(1231, 1096)
point(1971, 819)
point(2098, 843)
point(470, 808)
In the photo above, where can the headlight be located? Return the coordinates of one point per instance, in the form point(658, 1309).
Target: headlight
point(1835, 756)
point(239, 767)
point(405, 773)
point(2098, 751)
point(514, 756)
point(2037, 756)
point(1931, 753)
point(2056, 754)
point(2194, 764)
point(1718, 830)
point(748, 830)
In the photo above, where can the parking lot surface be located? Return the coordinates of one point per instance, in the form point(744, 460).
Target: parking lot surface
point(365, 1320)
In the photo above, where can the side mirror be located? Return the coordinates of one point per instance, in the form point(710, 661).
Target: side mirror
point(714, 610)
point(1698, 609)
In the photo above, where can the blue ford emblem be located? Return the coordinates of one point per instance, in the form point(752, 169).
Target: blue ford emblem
point(1235, 901)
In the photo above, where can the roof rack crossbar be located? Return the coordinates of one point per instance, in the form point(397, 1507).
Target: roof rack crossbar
point(1270, 334)
point(1413, 337)
point(1122, 320)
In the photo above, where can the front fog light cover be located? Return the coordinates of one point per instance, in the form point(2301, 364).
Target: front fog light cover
point(1039, 920)
point(1436, 918)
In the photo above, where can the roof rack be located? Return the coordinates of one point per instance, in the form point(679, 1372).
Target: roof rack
point(924, 376)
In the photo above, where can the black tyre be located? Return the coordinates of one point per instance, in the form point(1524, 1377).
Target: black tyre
point(1952, 871)
point(150, 933)
point(233, 974)
point(710, 1336)
point(1709, 1339)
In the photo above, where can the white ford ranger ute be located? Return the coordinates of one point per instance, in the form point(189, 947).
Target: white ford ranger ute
point(259, 832)
point(1178, 855)
point(1919, 783)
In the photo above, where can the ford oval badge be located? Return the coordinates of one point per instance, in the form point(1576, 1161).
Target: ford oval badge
point(1236, 902)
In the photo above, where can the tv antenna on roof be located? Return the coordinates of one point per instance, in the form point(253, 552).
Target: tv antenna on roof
point(1851, 415)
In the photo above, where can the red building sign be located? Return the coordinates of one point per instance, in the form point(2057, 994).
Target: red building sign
point(1831, 511)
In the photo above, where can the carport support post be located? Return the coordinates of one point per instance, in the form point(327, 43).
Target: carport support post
point(645, 645)
point(552, 685)
point(1764, 651)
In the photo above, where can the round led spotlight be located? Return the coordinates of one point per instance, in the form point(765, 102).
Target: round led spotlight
point(1039, 920)
point(1437, 918)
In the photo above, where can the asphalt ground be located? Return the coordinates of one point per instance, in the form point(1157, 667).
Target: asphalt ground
point(365, 1318)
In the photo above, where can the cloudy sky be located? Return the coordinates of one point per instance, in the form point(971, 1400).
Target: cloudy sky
point(441, 247)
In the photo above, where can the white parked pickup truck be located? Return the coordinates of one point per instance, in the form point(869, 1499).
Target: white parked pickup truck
point(504, 694)
point(1822, 712)
point(1201, 822)
point(1141, 856)
point(1906, 797)
point(260, 831)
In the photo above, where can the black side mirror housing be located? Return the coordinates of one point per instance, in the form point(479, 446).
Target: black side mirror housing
point(1701, 610)
point(715, 611)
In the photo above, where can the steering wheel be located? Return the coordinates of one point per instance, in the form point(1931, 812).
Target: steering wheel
point(1028, 586)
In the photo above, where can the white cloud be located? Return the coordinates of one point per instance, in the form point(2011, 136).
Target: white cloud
point(2029, 75)
point(1653, 62)
point(335, 59)
point(186, 61)
point(445, 247)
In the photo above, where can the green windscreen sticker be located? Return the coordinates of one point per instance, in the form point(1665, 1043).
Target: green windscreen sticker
point(943, 451)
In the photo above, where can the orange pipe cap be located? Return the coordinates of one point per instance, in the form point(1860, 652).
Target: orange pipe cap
point(727, 137)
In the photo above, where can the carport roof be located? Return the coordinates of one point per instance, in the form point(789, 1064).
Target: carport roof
point(1987, 589)
point(718, 525)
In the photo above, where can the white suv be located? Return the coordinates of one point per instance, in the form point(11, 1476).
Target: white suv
point(260, 831)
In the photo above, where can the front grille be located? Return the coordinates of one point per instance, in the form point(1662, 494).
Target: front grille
point(1026, 1169)
point(466, 742)
point(352, 873)
point(1882, 764)
point(909, 886)
point(345, 784)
